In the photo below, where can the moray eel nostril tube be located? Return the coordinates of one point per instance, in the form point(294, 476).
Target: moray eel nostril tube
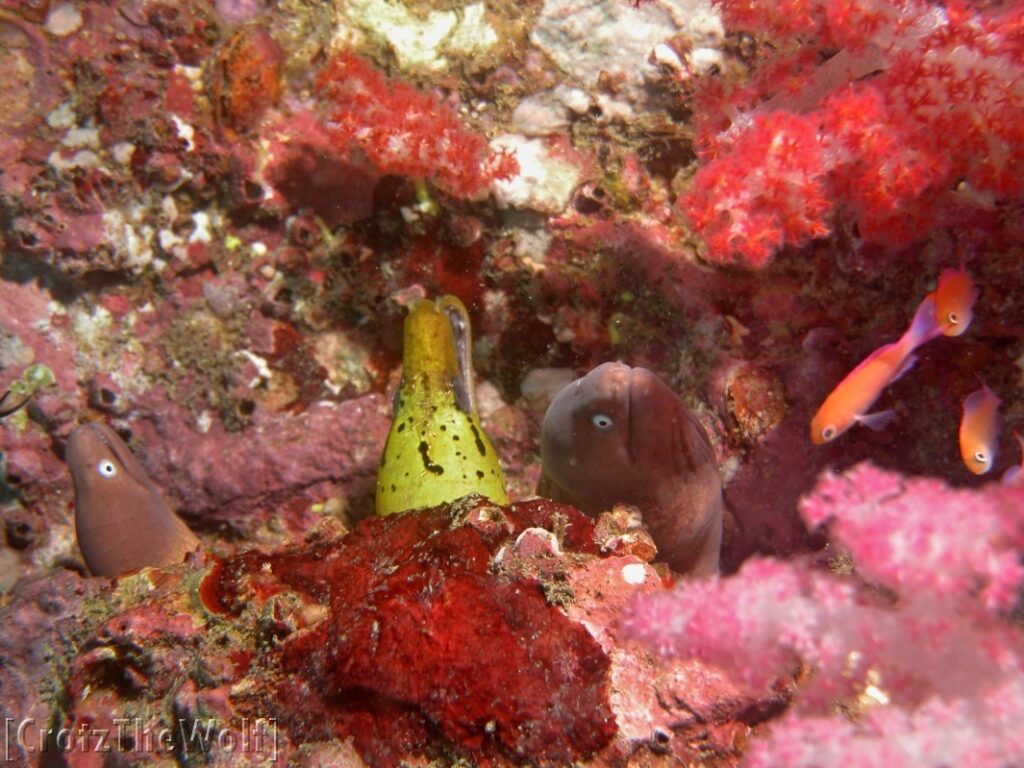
point(121, 520)
point(436, 451)
point(12, 403)
point(621, 435)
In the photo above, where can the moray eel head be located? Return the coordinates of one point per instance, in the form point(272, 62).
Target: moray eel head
point(121, 521)
point(588, 427)
point(437, 450)
point(621, 435)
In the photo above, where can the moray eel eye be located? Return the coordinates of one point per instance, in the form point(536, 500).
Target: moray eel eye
point(106, 468)
point(981, 457)
point(953, 318)
point(828, 432)
point(602, 422)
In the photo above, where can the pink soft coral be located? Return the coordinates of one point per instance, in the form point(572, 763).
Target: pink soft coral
point(917, 122)
point(982, 732)
point(923, 642)
point(407, 132)
point(917, 536)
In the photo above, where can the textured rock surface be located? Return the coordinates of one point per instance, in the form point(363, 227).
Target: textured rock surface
point(471, 632)
point(205, 248)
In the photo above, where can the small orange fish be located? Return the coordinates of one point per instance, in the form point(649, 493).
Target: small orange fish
point(979, 430)
point(1015, 475)
point(848, 403)
point(954, 300)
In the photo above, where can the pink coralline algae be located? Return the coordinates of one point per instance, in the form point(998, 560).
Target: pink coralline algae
point(407, 132)
point(36, 614)
point(934, 137)
point(916, 641)
point(289, 463)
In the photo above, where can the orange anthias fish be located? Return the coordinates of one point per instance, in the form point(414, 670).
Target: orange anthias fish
point(954, 300)
point(848, 403)
point(979, 430)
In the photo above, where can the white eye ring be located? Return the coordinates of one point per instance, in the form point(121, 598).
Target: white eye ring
point(828, 432)
point(106, 468)
point(981, 457)
point(602, 421)
point(953, 318)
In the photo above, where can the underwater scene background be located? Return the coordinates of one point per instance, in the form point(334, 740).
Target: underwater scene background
point(245, 243)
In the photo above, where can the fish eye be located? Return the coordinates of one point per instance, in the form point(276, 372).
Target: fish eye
point(106, 468)
point(981, 457)
point(602, 421)
point(828, 432)
point(953, 318)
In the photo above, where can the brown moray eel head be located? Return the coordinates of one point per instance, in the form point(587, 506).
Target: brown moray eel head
point(121, 521)
point(621, 435)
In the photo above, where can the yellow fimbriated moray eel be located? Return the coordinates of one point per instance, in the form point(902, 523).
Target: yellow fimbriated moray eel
point(436, 451)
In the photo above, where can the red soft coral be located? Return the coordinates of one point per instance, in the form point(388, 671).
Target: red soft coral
point(407, 132)
point(907, 534)
point(889, 179)
point(782, 19)
point(916, 123)
point(765, 191)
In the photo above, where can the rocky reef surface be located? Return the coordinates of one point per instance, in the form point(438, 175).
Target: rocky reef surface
point(214, 218)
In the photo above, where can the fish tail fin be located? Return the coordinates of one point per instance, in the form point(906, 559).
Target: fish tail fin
point(924, 327)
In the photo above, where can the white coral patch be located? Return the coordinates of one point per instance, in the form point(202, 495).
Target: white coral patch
point(544, 183)
point(202, 230)
point(634, 573)
point(590, 39)
point(129, 236)
point(64, 20)
point(185, 132)
point(422, 42)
